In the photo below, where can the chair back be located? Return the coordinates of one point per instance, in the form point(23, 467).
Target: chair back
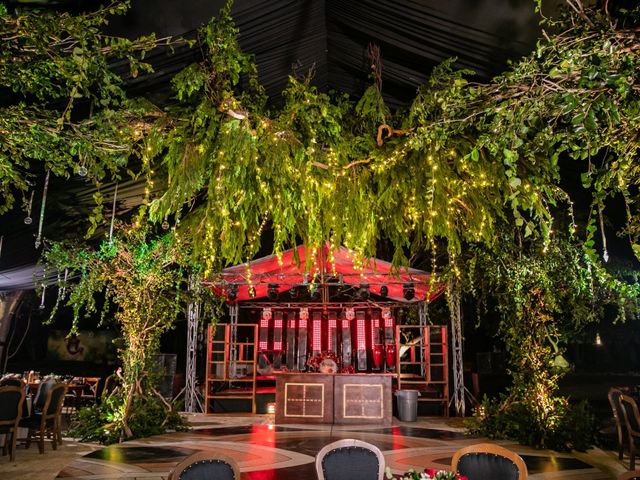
point(632, 475)
point(350, 459)
point(42, 393)
point(91, 389)
point(630, 415)
point(11, 401)
point(614, 400)
point(11, 382)
point(206, 466)
point(486, 460)
point(55, 399)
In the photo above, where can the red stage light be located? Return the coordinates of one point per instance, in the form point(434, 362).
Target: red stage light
point(277, 325)
point(333, 324)
point(316, 342)
point(375, 333)
point(360, 334)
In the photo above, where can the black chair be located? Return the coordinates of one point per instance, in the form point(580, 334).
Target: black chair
point(618, 417)
point(11, 401)
point(47, 421)
point(206, 466)
point(632, 424)
point(350, 459)
point(486, 460)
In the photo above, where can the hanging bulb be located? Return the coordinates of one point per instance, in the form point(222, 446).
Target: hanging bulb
point(82, 171)
point(165, 225)
point(598, 339)
point(28, 220)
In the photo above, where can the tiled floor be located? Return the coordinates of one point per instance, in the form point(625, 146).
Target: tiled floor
point(268, 452)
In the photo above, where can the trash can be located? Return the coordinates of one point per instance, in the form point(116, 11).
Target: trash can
point(407, 405)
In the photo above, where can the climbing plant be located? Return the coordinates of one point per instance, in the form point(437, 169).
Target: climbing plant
point(144, 286)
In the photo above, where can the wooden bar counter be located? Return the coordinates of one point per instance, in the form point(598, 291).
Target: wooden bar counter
point(334, 398)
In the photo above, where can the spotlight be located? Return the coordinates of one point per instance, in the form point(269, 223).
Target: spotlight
point(272, 291)
point(232, 291)
point(363, 292)
point(293, 292)
point(314, 293)
point(408, 292)
point(252, 291)
point(384, 291)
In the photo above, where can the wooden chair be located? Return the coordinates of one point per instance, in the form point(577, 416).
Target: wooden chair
point(47, 421)
point(632, 475)
point(632, 424)
point(487, 460)
point(11, 402)
point(618, 417)
point(90, 393)
point(206, 465)
point(350, 459)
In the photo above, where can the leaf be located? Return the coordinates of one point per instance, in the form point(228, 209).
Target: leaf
point(515, 182)
point(475, 155)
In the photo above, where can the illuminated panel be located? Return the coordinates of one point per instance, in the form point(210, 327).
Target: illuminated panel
point(277, 331)
point(388, 322)
point(360, 333)
point(375, 330)
point(332, 337)
point(263, 337)
point(316, 339)
point(291, 340)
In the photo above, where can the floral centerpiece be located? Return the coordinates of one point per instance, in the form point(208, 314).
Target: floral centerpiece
point(427, 474)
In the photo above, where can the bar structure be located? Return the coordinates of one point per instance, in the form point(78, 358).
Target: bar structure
point(334, 398)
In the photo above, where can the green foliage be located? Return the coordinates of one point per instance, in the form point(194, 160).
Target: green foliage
point(553, 423)
point(53, 61)
point(144, 279)
point(103, 421)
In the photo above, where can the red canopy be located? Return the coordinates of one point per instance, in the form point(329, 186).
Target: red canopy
point(338, 266)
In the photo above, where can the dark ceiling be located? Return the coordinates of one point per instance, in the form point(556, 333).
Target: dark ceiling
point(293, 36)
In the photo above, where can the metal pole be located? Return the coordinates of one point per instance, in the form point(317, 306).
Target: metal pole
point(193, 320)
point(453, 299)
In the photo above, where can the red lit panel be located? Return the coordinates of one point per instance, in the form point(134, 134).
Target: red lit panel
point(346, 324)
point(360, 334)
point(263, 337)
point(388, 322)
point(375, 334)
point(316, 339)
point(302, 323)
point(277, 330)
point(331, 337)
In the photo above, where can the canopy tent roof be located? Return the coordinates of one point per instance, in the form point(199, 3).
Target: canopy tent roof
point(323, 266)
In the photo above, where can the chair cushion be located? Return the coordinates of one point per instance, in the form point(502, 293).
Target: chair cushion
point(208, 470)
point(350, 463)
point(480, 466)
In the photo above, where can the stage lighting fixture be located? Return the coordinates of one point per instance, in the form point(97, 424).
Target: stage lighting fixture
point(272, 291)
point(232, 291)
point(384, 291)
point(408, 292)
point(252, 291)
point(364, 292)
point(314, 293)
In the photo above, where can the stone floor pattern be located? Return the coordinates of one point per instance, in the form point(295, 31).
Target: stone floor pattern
point(268, 452)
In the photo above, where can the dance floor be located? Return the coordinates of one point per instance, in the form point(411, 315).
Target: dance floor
point(268, 452)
